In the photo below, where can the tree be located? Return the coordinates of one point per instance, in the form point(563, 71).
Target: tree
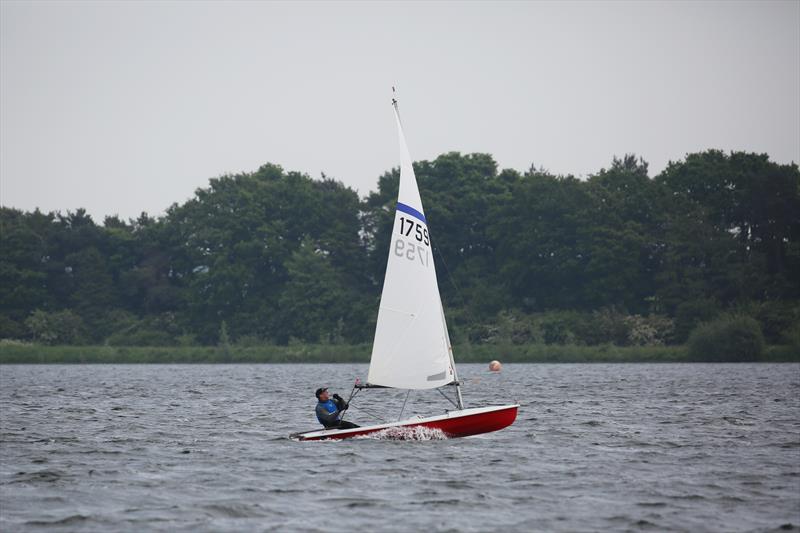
point(315, 303)
point(233, 240)
point(62, 327)
point(22, 280)
point(543, 241)
point(94, 293)
point(618, 257)
point(754, 200)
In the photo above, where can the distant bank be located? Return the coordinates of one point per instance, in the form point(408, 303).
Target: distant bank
point(17, 353)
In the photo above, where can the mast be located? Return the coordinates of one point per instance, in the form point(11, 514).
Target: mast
point(452, 363)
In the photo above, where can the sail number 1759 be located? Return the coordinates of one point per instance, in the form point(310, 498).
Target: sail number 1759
point(409, 249)
point(420, 232)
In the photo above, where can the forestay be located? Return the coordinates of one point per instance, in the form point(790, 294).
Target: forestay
point(412, 347)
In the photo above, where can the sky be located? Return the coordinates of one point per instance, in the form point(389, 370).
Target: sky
point(125, 107)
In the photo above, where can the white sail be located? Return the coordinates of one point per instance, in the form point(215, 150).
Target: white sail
point(412, 347)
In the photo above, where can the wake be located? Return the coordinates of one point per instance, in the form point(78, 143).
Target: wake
point(406, 433)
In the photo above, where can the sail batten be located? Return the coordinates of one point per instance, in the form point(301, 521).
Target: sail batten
point(412, 347)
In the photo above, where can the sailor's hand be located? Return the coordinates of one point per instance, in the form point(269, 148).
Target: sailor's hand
point(337, 397)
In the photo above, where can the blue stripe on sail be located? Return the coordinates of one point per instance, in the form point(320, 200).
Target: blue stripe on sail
point(407, 209)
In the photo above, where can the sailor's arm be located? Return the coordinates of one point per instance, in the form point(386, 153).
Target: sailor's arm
point(340, 403)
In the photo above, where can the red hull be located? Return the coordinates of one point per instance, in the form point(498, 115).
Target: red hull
point(454, 424)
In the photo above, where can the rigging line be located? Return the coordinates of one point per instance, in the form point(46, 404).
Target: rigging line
point(373, 415)
point(399, 418)
point(353, 394)
point(452, 278)
point(460, 294)
point(369, 413)
point(446, 397)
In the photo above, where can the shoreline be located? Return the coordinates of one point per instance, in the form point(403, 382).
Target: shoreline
point(19, 353)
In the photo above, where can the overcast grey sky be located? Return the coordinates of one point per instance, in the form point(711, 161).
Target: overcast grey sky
point(124, 107)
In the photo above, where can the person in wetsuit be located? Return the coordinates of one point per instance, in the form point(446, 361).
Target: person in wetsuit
point(329, 410)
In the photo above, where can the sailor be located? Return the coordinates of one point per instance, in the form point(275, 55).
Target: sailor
point(330, 410)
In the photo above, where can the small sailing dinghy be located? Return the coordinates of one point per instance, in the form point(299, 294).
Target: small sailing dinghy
point(412, 347)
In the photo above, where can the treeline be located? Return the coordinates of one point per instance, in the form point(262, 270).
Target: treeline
point(275, 257)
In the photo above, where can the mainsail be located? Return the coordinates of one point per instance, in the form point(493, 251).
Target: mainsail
point(412, 347)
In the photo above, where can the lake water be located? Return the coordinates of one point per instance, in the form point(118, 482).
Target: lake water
point(700, 447)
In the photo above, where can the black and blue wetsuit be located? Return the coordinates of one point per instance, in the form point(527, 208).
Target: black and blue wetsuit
point(329, 414)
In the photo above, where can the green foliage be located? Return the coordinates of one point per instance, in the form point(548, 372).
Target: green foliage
point(728, 338)
point(777, 319)
point(186, 340)
point(791, 337)
point(605, 326)
point(313, 303)
point(141, 337)
point(11, 329)
point(523, 258)
point(233, 245)
point(154, 330)
point(691, 313)
point(742, 211)
point(541, 353)
point(653, 330)
point(62, 327)
point(16, 352)
point(224, 342)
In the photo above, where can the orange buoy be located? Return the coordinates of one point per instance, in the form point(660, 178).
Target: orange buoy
point(495, 366)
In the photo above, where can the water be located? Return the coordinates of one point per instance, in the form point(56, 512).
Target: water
point(621, 447)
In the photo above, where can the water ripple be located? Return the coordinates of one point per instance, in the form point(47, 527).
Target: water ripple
point(620, 447)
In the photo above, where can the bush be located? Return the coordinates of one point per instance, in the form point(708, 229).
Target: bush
point(250, 341)
point(187, 339)
point(653, 330)
point(514, 328)
point(157, 330)
point(728, 338)
point(606, 326)
point(11, 329)
point(61, 327)
point(691, 314)
point(791, 337)
point(141, 337)
point(776, 319)
point(558, 327)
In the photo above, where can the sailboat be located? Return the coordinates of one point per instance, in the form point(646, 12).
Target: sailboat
point(412, 348)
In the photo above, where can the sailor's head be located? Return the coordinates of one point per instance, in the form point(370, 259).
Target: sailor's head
point(322, 394)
